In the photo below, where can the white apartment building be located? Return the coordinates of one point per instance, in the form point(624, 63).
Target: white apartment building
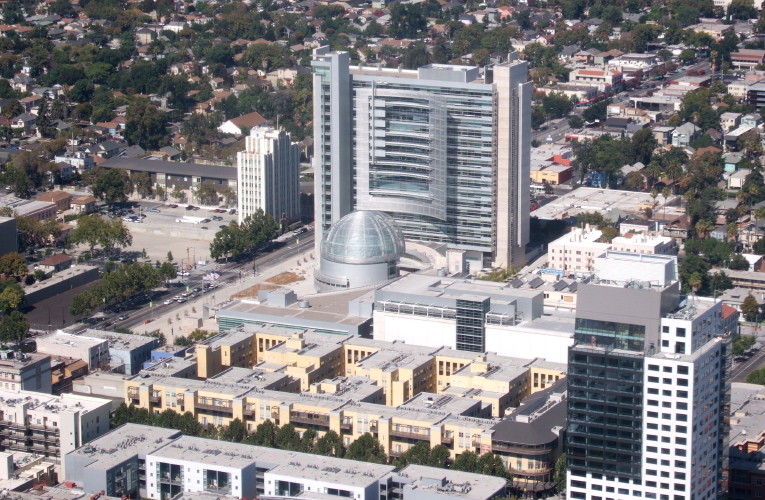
point(268, 175)
point(669, 358)
point(726, 3)
point(605, 79)
point(94, 351)
point(47, 425)
point(645, 244)
point(575, 252)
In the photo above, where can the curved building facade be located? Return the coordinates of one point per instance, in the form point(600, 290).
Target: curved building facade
point(361, 249)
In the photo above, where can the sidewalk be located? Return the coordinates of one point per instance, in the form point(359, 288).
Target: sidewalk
point(171, 323)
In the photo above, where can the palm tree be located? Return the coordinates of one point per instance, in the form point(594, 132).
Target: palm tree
point(674, 172)
point(732, 232)
point(665, 194)
point(654, 169)
point(703, 229)
point(654, 195)
point(695, 281)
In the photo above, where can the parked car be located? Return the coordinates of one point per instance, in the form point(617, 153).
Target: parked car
point(155, 210)
point(189, 207)
point(173, 206)
point(204, 227)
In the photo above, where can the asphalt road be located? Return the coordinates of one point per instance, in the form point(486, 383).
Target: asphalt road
point(229, 273)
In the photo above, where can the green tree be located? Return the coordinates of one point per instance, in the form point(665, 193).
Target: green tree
point(643, 144)
point(750, 308)
point(330, 445)
point(575, 121)
point(742, 9)
point(13, 264)
point(14, 327)
point(287, 438)
point(366, 448)
point(720, 282)
point(756, 377)
point(235, 431)
point(738, 262)
point(206, 194)
point(179, 194)
point(608, 234)
point(111, 185)
point(467, 461)
point(141, 183)
point(265, 434)
point(491, 464)
point(560, 473)
point(82, 91)
point(146, 126)
point(742, 343)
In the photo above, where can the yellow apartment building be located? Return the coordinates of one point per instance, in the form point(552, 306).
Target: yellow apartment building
point(400, 393)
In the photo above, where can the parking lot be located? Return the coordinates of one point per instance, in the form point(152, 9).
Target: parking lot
point(160, 232)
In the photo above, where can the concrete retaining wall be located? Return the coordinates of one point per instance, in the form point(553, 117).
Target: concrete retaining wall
point(61, 282)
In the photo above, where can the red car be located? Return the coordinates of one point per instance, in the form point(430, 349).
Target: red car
point(173, 206)
point(216, 211)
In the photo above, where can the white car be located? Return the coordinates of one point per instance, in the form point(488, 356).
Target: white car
point(181, 300)
point(168, 302)
point(177, 297)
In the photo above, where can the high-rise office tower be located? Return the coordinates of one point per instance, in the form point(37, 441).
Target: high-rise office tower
point(443, 149)
point(648, 385)
point(268, 175)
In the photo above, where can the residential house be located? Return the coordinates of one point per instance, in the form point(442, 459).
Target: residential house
point(747, 58)
point(678, 228)
point(61, 199)
point(567, 53)
point(237, 125)
point(730, 121)
point(169, 153)
point(736, 179)
point(731, 161)
point(79, 160)
point(25, 121)
point(85, 204)
point(145, 36)
point(663, 135)
point(605, 79)
point(55, 263)
point(134, 151)
point(684, 135)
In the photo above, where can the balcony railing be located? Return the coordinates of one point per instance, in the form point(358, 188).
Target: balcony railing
point(410, 435)
point(155, 398)
point(447, 439)
point(346, 426)
point(310, 420)
point(209, 407)
point(520, 450)
point(531, 473)
point(133, 395)
point(249, 413)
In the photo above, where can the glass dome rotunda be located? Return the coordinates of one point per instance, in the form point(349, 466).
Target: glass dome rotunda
point(363, 237)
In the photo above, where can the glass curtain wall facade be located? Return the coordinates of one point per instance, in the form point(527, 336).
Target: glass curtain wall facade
point(605, 408)
point(423, 152)
point(471, 318)
point(445, 150)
